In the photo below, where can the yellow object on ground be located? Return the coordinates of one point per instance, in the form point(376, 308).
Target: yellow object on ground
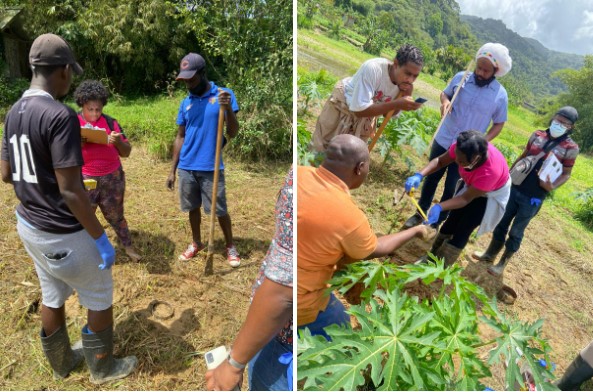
point(411, 194)
point(90, 184)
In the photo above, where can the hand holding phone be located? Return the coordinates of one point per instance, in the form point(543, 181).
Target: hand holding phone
point(420, 100)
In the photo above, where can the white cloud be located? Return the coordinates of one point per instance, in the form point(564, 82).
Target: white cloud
point(586, 29)
point(565, 26)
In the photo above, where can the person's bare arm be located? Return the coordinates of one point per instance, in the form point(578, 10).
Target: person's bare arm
point(387, 244)
point(6, 171)
point(494, 131)
point(123, 147)
point(71, 188)
point(269, 312)
point(232, 124)
point(175, 160)
point(382, 108)
point(445, 103)
point(437, 163)
point(462, 200)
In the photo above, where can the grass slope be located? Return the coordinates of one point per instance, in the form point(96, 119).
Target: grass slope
point(551, 271)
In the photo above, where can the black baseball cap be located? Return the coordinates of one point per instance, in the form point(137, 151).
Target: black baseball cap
point(51, 49)
point(189, 65)
point(569, 113)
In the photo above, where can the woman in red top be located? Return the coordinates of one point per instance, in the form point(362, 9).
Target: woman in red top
point(102, 161)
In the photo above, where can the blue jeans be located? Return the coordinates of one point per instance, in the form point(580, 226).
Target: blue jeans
point(520, 209)
point(265, 372)
point(334, 313)
point(432, 181)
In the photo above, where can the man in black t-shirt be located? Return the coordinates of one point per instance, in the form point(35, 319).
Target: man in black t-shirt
point(42, 158)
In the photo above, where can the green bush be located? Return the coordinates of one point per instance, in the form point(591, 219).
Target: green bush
point(11, 90)
point(584, 209)
point(306, 157)
point(410, 343)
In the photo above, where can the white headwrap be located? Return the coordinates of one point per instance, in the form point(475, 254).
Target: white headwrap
point(498, 55)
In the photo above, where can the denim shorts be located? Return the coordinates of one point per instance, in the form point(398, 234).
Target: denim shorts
point(195, 189)
point(68, 262)
point(334, 313)
point(265, 371)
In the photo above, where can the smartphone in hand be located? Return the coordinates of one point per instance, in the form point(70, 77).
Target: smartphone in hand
point(215, 357)
point(420, 100)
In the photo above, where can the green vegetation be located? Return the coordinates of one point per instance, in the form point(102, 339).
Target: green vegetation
point(135, 48)
point(447, 39)
point(412, 343)
point(533, 64)
point(343, 58)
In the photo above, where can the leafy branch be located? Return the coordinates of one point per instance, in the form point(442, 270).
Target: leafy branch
point(407, 343)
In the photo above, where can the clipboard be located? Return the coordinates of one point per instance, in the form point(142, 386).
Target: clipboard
point(91, 135)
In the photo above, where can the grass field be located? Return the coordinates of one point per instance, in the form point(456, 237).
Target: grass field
point(208, 310)
point(552, 270)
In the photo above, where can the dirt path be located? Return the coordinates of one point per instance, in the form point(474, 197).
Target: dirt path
point(207, 311)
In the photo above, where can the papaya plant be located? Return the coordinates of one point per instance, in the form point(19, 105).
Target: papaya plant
point(410, 343)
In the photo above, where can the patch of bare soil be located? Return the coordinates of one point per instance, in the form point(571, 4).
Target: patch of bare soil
point(167, 312)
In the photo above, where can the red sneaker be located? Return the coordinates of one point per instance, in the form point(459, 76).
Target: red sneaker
point(233, 256)
point(191, 251)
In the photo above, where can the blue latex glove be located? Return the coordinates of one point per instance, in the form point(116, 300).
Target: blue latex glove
point(536, 202)
point(286, 359)
point(106, 251)
point(433, 214)
point(413, 182)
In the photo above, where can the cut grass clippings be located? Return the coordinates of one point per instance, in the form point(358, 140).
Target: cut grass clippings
point(208, 311)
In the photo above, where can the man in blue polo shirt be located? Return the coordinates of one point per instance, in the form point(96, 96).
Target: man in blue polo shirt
point(482, 100)
point(194, 152)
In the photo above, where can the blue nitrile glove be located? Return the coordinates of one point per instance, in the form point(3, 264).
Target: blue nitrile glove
point(286, 359)
point(106, 251)
point(413, 182)
point(536, 202)
point(433, 214)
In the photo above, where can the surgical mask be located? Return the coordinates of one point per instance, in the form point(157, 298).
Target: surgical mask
point(557, 129)
point(483, 82)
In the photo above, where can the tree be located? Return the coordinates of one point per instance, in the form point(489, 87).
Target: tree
point(579, 95)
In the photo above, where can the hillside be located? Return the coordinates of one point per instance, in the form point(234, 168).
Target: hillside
point(532, 62)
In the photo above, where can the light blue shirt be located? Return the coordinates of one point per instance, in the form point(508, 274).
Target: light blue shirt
point(474, 108)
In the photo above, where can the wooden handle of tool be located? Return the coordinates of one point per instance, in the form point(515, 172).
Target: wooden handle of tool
point(459, 87)
point(216, 174)
point(383, 124)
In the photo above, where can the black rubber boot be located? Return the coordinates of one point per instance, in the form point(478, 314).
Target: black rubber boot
point(577, 373)
point(412, 221)
point(448, 252)
point(98, 352)
point(62, 358)
point(490, 254)
point(436, 244)
point(498, 269)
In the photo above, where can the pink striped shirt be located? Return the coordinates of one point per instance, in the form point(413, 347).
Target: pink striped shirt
point(100, 159)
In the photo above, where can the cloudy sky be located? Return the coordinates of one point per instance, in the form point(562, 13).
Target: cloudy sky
point(565, 26)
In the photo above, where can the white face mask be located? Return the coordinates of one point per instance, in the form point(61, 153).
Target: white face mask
point(557, 129)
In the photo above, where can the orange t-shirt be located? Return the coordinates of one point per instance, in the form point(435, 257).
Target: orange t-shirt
point(329, 226)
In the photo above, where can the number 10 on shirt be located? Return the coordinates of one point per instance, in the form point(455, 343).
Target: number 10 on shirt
point(23, 160)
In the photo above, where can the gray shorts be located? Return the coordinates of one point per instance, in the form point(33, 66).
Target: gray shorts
point(67, 262)
point(195, 189)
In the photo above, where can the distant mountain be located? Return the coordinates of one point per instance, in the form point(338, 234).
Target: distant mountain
point(532, 62)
